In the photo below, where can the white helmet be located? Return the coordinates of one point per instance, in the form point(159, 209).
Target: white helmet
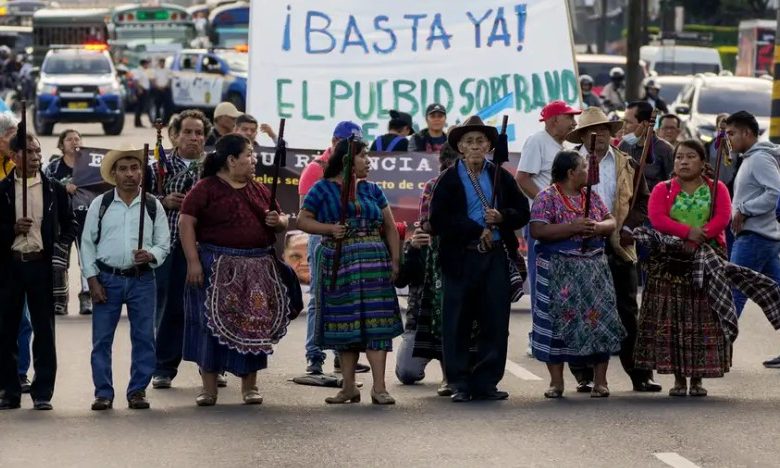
point(616, 72)
point(586, 79)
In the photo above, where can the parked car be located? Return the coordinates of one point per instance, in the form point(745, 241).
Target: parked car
point(707, 96)
point(671, 86)
point(78, 85)
point(202, 78)
point(680, 60)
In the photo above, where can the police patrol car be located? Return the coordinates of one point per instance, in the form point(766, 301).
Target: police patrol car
point(78, 85)
point(202, 78)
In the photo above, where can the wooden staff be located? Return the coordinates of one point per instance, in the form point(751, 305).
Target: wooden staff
point(500, 156)
point(142, 216)
point(593, 179)
point(280, 159)
point(346, 187)
point(643, 159)
point(161, 163)
point(21, 138)
point(724, 148)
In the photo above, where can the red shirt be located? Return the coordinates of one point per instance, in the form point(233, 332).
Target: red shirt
point(225, 217)
point(313, 172)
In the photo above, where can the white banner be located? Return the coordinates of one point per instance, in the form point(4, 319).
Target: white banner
point(317, 63)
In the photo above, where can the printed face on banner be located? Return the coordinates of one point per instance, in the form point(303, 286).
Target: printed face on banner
point(317, 63)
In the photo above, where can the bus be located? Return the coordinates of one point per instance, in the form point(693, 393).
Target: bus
point(139, 31)
point(20, 12)
point(229, 25)
point(17, 38)
point(67, 27)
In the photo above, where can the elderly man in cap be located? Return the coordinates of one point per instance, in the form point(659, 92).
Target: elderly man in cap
point(534, 171)
point(476, 242)
point(399, 127)
point(119, 273)
point(315, 357)
point(616, 189)
point(432, 138)
point(225, 116)
point(29, 243)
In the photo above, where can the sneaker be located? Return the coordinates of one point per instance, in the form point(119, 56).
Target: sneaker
point(85, 304)
point(314, 367)
point(138, 401)
point(160, 382)
point(42, 405)
point(25, 383)
point(221, 380)
point(102, 404)
point(773, 363)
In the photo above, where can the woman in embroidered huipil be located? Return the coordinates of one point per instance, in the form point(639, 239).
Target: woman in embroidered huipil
point(237, 302)
point(678, 332)
point(575, 317)
point(361, 313)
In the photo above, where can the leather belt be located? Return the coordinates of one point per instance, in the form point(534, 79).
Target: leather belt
point(126, 273)
point(27, 257)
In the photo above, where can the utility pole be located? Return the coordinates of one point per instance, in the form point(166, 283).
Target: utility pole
point(602, 33)
point(774, 121)
point(633, 42)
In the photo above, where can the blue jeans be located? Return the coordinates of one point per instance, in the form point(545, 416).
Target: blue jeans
point(25, 338)
point(138, 293)
point(313, 352)
point(759, 254)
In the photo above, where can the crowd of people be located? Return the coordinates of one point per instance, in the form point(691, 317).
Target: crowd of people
point(605, 206)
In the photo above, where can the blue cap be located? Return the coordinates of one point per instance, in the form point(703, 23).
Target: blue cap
point(346, 129)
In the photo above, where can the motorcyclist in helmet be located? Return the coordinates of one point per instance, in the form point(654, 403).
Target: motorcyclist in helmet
point(614, 93)
point(652, 87)
point(589, 98)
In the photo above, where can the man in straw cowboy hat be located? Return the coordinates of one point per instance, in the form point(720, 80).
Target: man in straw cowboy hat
point(616, 189)
point(119, 273)
point(476, 240)
point(29, 245)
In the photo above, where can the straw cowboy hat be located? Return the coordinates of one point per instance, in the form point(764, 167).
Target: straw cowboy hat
point(472, 124)
point(592, 117)
point(125, 151)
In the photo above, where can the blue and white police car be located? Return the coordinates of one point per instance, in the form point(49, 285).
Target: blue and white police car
point(202, 78)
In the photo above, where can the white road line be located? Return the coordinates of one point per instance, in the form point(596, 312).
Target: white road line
point(520, 372)
point(675, 460)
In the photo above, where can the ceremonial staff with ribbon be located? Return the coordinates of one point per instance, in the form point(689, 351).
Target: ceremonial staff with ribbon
point(593, 179)
point(723, 149)
point(161, 159)
point(346, 189)
point(280, 160)
point(646, 152)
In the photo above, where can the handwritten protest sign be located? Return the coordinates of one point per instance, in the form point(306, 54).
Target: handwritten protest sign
point(316, 63)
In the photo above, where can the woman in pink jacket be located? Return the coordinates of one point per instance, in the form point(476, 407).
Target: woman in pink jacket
point(678, 332)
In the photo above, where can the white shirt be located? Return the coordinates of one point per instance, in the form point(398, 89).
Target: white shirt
point(607, 186)
point(537, 158)
point(33, 240)
point(142, 78)
point(162, 77)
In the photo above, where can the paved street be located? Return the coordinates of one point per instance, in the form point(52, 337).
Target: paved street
point(736, 426)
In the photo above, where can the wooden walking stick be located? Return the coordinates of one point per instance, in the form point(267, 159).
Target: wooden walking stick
point(280, 160)
point(161, 159)
point(142, 216)
point(346, 188)
point(21, 138)
point(643, 159)
point(723, 149)
point(593, 179)
point(500, 156)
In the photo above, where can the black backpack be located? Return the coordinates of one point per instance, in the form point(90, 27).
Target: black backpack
point(108, 198)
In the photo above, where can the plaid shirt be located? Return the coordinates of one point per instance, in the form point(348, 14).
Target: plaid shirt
point(180, 177)
point(717, 276)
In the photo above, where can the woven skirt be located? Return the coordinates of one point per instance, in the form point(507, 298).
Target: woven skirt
point(678, 333)
point(361, 312)
point(242, 310)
